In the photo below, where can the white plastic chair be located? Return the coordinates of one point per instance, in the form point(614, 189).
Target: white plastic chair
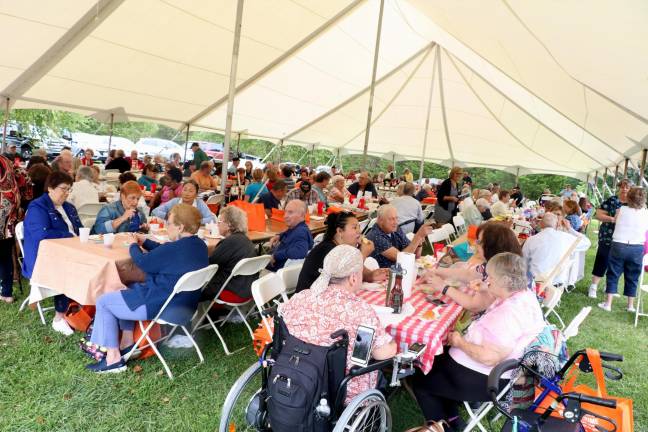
point(642, 290)
point(192, 281)
point(245, 267)
point(371, 263)
point(476, 415)
point(289, 274)
point(20, 236)
point(370, 225)
point(450, 230)
point(89, 210)
point(460, 224)
point(438, 235)
point(318, 239)
point(572, 328)
point(551, 301)
point(265, 290)
point(410, 236)
point(88, 222)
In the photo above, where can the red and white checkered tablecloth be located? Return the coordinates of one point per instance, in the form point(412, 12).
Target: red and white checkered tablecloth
point(415, 329)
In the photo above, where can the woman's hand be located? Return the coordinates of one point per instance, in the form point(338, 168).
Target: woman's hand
point(366, 247)
point(128, 214)
point(144, 227)
point(379, 275)
point(455, 339)
point(477, 285)
point(138, 238)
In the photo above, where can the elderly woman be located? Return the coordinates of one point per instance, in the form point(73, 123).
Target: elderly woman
point(236, 246)
point(484, 207)
point(470, 212)
point(338, 192)
point(122, 215)
point(331, 304)
point(148, 177)
point(341, 228)
point(87, 159)
point(448, 197)
point(508, 325)
point(51, 217)
point(257, 187)
point(83, 190)
point(492, 238)
point(163, 265)
point(189, 197)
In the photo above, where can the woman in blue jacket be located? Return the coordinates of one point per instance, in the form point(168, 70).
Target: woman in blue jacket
point(163, 264)
point(122, 215)
point(189, 196)
point(51, 217)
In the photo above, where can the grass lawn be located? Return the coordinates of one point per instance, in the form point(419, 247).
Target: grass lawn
point(44, 387)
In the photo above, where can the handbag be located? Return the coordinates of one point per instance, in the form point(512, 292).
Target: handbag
point(79, 317)
point(255, 214)
point(430, 426)
point(621, 417)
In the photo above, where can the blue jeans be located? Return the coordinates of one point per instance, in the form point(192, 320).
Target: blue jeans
point(112, 315)
point(624, 259)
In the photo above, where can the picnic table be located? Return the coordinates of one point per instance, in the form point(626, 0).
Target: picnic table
point(416, 328)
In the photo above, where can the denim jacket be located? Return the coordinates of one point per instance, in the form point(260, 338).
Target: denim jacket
point(103, 223)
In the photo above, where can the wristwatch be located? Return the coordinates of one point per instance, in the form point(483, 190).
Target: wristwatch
point(445, 289)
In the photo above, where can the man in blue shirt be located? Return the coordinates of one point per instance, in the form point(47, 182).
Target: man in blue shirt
point(389, 239)
point(296, 241)
point(272, 199)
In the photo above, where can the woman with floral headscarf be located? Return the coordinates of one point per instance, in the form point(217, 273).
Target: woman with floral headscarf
point(331, 304)
point(9, 207)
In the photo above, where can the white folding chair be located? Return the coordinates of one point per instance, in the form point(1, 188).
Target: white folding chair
point(410, 236)
point(265, 290)
point(553, 294)
point(371, 263)
point(451, 232)
point(89, 210)
point(370, 225)
point(20, 236)
point(460, 224)
point(290, 275)
point(642, 290)
point(192, 281)
point(438, 235)
point(363, 225)
point(318, 239)
point(245, 267)
point(476, 415)
point(572, 328)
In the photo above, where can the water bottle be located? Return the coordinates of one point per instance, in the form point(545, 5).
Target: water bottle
point(323, 410)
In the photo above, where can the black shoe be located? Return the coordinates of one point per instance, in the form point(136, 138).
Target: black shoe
point(101, 367)
point(135, 355)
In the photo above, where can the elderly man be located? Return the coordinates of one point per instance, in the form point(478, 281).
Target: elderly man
point(363, 185)
point(272, 199)
point(544, 250)
point(304, 193)
point(389, 238)
point(410, 213)
point(203, 177)
point(296, 241)
point(119, 163)
point(484, 207)
point(64, 162)
point(134, 161)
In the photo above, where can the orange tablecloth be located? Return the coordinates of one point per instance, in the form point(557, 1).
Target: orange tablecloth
point(429, 200)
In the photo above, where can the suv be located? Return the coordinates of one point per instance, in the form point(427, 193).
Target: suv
point(24, 145)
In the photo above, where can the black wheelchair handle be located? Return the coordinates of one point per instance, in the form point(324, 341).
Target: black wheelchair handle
point(611, 356)
point(496, 373)
point(608, 403)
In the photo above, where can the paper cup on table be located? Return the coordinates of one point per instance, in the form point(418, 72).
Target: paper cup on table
point(154, 227)
point(408, 262)
point(84, 234)
point(108, 240)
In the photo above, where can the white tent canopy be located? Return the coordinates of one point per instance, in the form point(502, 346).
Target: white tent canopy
point(546, 87)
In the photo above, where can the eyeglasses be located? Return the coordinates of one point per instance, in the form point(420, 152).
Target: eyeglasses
point(64, 189)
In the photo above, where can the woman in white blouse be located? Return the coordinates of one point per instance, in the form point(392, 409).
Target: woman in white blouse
point(626, 252)
point(83, 190)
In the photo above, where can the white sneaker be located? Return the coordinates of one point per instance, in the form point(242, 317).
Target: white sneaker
point(605, 307)
point(179, 341)
point(591, 293)
point(63, 327)
point(632, 309)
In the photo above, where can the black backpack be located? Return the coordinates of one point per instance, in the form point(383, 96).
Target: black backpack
point(302, 375)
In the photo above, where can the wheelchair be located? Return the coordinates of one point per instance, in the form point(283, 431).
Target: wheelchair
point(538, 417)
point(244, 408)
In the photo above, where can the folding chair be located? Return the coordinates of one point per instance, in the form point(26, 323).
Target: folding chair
point(546, 280)
point(459, 224)
point(265, 290)
point(450, 229)
point(88, 213)
point(290, 275)
point(215, 202)
point(369, 225)
point(439, 235)
point(551, 301)
point(476, 415)
point(363, 225)
point(20, 237)
point(572, 328)
point(410, 236)
point(643, 289)
point(245, 267)
point(192, 281)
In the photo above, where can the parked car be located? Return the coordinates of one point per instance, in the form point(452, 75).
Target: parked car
point(324, 168)
point(25, 145)
point(99, 144)
point(158, 146)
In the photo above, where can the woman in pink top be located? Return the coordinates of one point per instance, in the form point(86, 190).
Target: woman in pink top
point(172, 189)
point(502, 332)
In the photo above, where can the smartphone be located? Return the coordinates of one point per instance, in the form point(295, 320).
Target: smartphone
point(417, 349)
point(362, 345)
point(435, 301)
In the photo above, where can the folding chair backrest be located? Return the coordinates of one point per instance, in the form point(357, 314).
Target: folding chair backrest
point(88, 222)
point(459, 223)
point(553, 295)
point(264, 290)
point(363, 225)
point(195, 280)
point(290, 275)
point(560, 267)
point(89, 209)
point(250, 266)
point(410, 236)
point(371, 263)
point(449, 229)
point(438, 235)
point(572, 328)
point(215, 199)
point(370, 225)
point(20, 236)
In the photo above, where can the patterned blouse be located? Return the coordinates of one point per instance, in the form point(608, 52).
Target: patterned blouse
point(9, 199)
point(610, 205)
point(312, 318)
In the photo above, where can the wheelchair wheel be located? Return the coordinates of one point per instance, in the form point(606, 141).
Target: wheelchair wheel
point(367, 412)
point(240, 410)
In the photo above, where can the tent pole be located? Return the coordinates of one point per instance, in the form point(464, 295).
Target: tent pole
point(232, 88)
point(616, 176)
point(110, 131)
point(186, 144)
point(4, 130)
point(339, 158)
point(443, 112)
point(373, 84)
point(587, 186)
point(642, 167)
point(238, 144)
point(605, 185)
point(269, 153)
point(517, 176)
point(279, 152)
point(625, 168)
point(427, 119)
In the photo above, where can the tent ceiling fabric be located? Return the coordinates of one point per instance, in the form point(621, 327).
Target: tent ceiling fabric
point(528, 86)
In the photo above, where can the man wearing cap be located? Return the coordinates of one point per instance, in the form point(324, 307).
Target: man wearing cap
point(304, 193)
point(199, 156)
point(235, 164)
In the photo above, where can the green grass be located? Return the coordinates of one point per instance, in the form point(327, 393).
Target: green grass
point(44, 387)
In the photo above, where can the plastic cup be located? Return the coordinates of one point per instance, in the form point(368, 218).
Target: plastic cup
point(142, 187)
point(84, 234)
point(154, 227)
point(320, 208)
point(153, 187)
point(108, 240)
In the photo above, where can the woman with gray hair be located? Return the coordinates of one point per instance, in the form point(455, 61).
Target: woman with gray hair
point(337, 192)
point(236, 246)
point(83, 190)
point(502, 332)
point(331, 304)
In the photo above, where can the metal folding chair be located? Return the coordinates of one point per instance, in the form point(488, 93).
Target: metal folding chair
point(265, 290)
point(641, 291)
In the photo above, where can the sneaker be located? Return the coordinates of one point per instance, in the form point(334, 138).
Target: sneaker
point(101, 367)
point(605, 307)
point(128, 349)
point(179, 341)
point(62, 327)
point(631, 309)
point(591, 293)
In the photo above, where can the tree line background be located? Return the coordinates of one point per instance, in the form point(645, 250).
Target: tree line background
point(48, 122)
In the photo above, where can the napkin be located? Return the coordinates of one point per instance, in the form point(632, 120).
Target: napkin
point(408, 262)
